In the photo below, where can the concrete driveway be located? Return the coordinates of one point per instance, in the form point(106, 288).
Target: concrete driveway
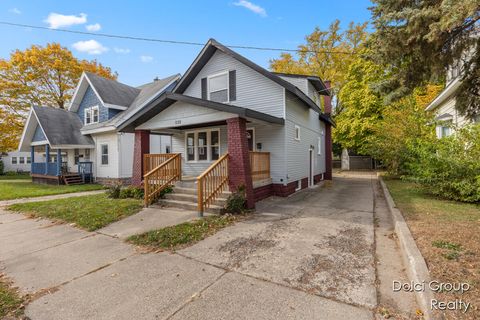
point(309, 256)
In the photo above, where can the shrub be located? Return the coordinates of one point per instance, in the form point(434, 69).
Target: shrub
point(235, 203)
point(113, 191)
point(449, 167)
point(131, 192)
point(2, 167)
point(168, 189)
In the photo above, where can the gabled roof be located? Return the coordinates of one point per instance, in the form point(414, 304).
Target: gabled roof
point(60, 127)
point(112, 92)
point(213, 45)
point(446, 93)
point(167, 99)
point(314, 80)
point(148, 92)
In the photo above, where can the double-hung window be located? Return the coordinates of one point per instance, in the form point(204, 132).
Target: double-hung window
point(21, 160)
point(218, 87)
point(202, 145)
point(91, 115)
point(104, 154)
point(14, 160)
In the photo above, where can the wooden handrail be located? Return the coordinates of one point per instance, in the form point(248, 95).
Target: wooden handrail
point(157, 179)
point(260, 165)
point(153, 160)
point(211, 183)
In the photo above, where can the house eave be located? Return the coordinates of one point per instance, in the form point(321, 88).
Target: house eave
point(445, 94)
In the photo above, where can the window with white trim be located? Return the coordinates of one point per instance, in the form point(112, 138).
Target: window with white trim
point(104, 154)
point(14, 160)
point(21, 160)
point(29, 160)
point(202, 145)
point(218, 87)
point(92, 115)
point(297, 133)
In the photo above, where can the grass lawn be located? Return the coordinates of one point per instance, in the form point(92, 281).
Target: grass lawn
point(15, 177)
point(448, 235)
point(22, 188)
point(87, 212)
point(11, 303)
point(184, 234)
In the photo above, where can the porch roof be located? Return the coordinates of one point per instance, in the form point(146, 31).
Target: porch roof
point(167, 99)
point(61, 129)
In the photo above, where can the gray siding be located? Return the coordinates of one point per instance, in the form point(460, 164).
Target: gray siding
point(254, 91)
point(311, 129)
point(90, 99)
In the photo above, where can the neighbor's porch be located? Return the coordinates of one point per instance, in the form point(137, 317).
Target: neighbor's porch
point(53, 168)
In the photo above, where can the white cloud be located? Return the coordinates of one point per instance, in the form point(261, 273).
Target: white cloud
point(15, 10)
point(146, 59)
point(252, 7)
point(56, 20)
point(121, 50)
point(94, 27)
point(90, 47)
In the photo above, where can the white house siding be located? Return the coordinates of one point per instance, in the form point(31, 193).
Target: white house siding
point(297, 152)
point(24, 167)
point(254, 91)
point(300, 83)
point(125, 154)
point(112, 169)
point(449, 107)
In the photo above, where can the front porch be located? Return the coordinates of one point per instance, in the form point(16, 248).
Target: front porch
point(54, 169)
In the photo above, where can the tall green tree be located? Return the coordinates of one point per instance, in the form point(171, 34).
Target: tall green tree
point(326, 53)
point(362, 105)
point(420, 39)
point(45, 76)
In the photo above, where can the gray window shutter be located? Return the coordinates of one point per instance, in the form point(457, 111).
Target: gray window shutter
point(232, 76)
point(204, 88)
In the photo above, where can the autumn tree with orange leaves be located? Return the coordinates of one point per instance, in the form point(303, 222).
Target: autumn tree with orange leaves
point(44, 76)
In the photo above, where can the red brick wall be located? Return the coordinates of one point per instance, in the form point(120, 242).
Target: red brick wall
point(317, 178)
point(328, 136)
point(263, 192)
point(239, 158)
point(141, 147)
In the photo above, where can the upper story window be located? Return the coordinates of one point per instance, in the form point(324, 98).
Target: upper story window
point(91, 115)
point(218, 87)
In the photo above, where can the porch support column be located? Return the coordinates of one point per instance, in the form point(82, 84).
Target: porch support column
point(141, 147)
point(32, 158)
point(59, 162)
point(47, 158)
point(239, 170)
point(328, 135)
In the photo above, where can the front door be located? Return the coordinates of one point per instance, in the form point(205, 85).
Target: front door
point(251, 139)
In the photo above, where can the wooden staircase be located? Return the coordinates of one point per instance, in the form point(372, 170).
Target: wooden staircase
point(72, 179)
point(185, 196)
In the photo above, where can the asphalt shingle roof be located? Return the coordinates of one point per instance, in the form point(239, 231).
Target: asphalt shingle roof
point(113, 92)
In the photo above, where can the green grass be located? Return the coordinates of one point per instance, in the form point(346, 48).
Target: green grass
point(10, 301)
point(87, 212)
point(19, 176)
point(183, 234)
point(413, 200)
point(21, 188)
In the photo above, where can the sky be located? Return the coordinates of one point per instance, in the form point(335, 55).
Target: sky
point(260, 23)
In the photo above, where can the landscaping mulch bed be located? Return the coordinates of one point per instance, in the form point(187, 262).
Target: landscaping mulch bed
point(448, 236)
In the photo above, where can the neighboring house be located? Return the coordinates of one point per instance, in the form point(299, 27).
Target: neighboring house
point(16, 161)
point(225, 103)
point(84, 140)
point(443, 105)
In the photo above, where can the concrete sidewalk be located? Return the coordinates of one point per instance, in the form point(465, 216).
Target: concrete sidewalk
point(310, 256)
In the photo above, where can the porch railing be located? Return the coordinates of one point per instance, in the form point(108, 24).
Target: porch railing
point(160, 177)
point(153, 160)
point(39, 168)
point(260, 165)
point(212, 183)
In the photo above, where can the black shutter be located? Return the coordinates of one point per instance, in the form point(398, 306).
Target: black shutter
point(232, 76)
point(204, 88)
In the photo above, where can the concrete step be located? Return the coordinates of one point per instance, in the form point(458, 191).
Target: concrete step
point(185, 190)
point(187, 205)
point(187, 184)
point(193, 198)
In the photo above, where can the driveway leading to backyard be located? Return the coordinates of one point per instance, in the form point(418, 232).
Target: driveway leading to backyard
point(309, 256)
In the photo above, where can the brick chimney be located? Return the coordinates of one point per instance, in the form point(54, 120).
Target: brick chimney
point(328, 99)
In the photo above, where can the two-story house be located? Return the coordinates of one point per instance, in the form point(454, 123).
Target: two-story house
point(83, 143)
point(234, 123)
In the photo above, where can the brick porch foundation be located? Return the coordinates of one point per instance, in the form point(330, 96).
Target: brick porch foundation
point(141, 147)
